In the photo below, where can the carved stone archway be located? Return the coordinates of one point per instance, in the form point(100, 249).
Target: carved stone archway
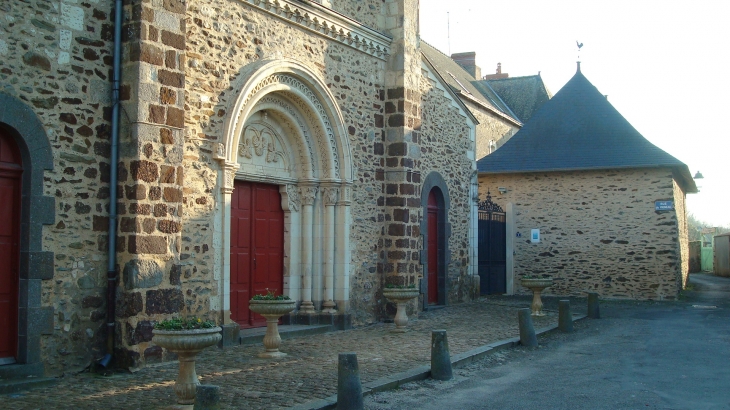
point(285, 129)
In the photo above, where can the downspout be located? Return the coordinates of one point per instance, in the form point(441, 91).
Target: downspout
point(111, 290)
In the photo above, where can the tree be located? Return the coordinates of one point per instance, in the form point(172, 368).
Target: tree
point(695, 226)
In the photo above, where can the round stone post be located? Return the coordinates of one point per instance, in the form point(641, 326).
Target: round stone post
point(440, 357)
point(207, 397)
point(349, 389)
point(565, 318)
point(527, 331)
point(593, 311)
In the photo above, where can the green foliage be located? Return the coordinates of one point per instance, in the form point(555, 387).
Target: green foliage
point(184, 324)
point(392, 286)
point(270, 296)
point(543, 276)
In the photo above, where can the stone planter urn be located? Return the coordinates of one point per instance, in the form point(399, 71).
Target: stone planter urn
point(272, 310)
point(400, 296)
point(186, 344)
point(537, 285)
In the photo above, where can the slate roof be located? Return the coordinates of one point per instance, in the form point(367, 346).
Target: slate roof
point(523, 95)
point(578, 129)
point(464, 85)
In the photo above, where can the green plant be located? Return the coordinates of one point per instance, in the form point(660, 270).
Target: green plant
point(270, 296)
point(392, 286)
point(543, 276)
point(190, 323)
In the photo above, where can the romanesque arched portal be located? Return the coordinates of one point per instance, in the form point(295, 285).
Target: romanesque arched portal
point(285, 131)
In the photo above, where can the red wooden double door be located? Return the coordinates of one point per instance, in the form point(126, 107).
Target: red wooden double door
point(11, 169)
point(257, 247)
point(433, 248)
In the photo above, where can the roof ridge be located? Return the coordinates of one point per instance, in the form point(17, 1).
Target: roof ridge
point(434, 47)
point(512, 78)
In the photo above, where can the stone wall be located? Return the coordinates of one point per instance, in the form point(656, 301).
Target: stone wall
point(490, 128)
point(56, 58)
point(680, 207)
point(368, 12)
point(599, 231)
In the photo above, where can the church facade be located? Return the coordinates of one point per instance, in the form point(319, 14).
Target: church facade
point(300, 147)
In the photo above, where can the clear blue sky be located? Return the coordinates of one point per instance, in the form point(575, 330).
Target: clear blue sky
point(663, 65)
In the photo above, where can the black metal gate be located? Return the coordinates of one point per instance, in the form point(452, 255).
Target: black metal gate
point(492, 248)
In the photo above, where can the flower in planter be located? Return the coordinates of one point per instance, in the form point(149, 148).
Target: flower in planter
point(270, 295)
point(543, 276)
point(184, 324)
point(392, 286)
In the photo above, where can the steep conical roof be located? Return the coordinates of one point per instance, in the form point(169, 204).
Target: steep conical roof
point(578, 129)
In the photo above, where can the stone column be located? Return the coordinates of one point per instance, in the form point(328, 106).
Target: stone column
point(342, 245)
point(400, 245)
point(307, 195)
point(228, 175)
point(330, 196)
point(291, 203)
point(150, 172)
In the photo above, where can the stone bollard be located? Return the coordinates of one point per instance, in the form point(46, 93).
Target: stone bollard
point(440, 357)
point(565, 318)
point(527, 331)
point(349, 389)
point(593, 311)
point(207, 397)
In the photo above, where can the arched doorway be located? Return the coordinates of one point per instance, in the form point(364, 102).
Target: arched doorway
point(433, 251)
point(435, 247)
point(286, 136)
point(11, 170)
point(22, 129)
point(436, 230)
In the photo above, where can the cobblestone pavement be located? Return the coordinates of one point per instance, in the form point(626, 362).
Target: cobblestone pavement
point(309, 372)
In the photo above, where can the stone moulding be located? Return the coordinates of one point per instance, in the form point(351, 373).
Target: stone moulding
point(328, 24)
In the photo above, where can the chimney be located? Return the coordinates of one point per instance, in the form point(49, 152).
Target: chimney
point(498, 76)
point(469, 63)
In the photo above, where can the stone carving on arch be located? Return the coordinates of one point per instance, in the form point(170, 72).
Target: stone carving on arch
point(288, 116)
point(300, 85)
point(262, 140)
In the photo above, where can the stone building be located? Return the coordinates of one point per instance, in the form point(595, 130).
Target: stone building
point(304, 147)
point(608, 206)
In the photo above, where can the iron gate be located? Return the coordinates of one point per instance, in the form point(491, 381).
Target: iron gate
point(492, 248)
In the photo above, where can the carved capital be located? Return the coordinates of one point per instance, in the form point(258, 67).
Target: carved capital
point(292, 194)
point(308, 194)
point(330, 196)
point(345, 195)
point(229, 171)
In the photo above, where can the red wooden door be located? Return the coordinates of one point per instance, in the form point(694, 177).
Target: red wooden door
point(257, 247)
point(10, 171)
point(433, 240)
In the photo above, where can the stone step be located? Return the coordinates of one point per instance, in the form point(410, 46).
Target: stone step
point(18, 385)
point(255, 335)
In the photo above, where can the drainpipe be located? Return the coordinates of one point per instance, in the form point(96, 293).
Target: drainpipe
point(111, 272)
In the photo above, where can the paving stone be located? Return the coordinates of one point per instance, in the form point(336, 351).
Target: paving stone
point(308, 372)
